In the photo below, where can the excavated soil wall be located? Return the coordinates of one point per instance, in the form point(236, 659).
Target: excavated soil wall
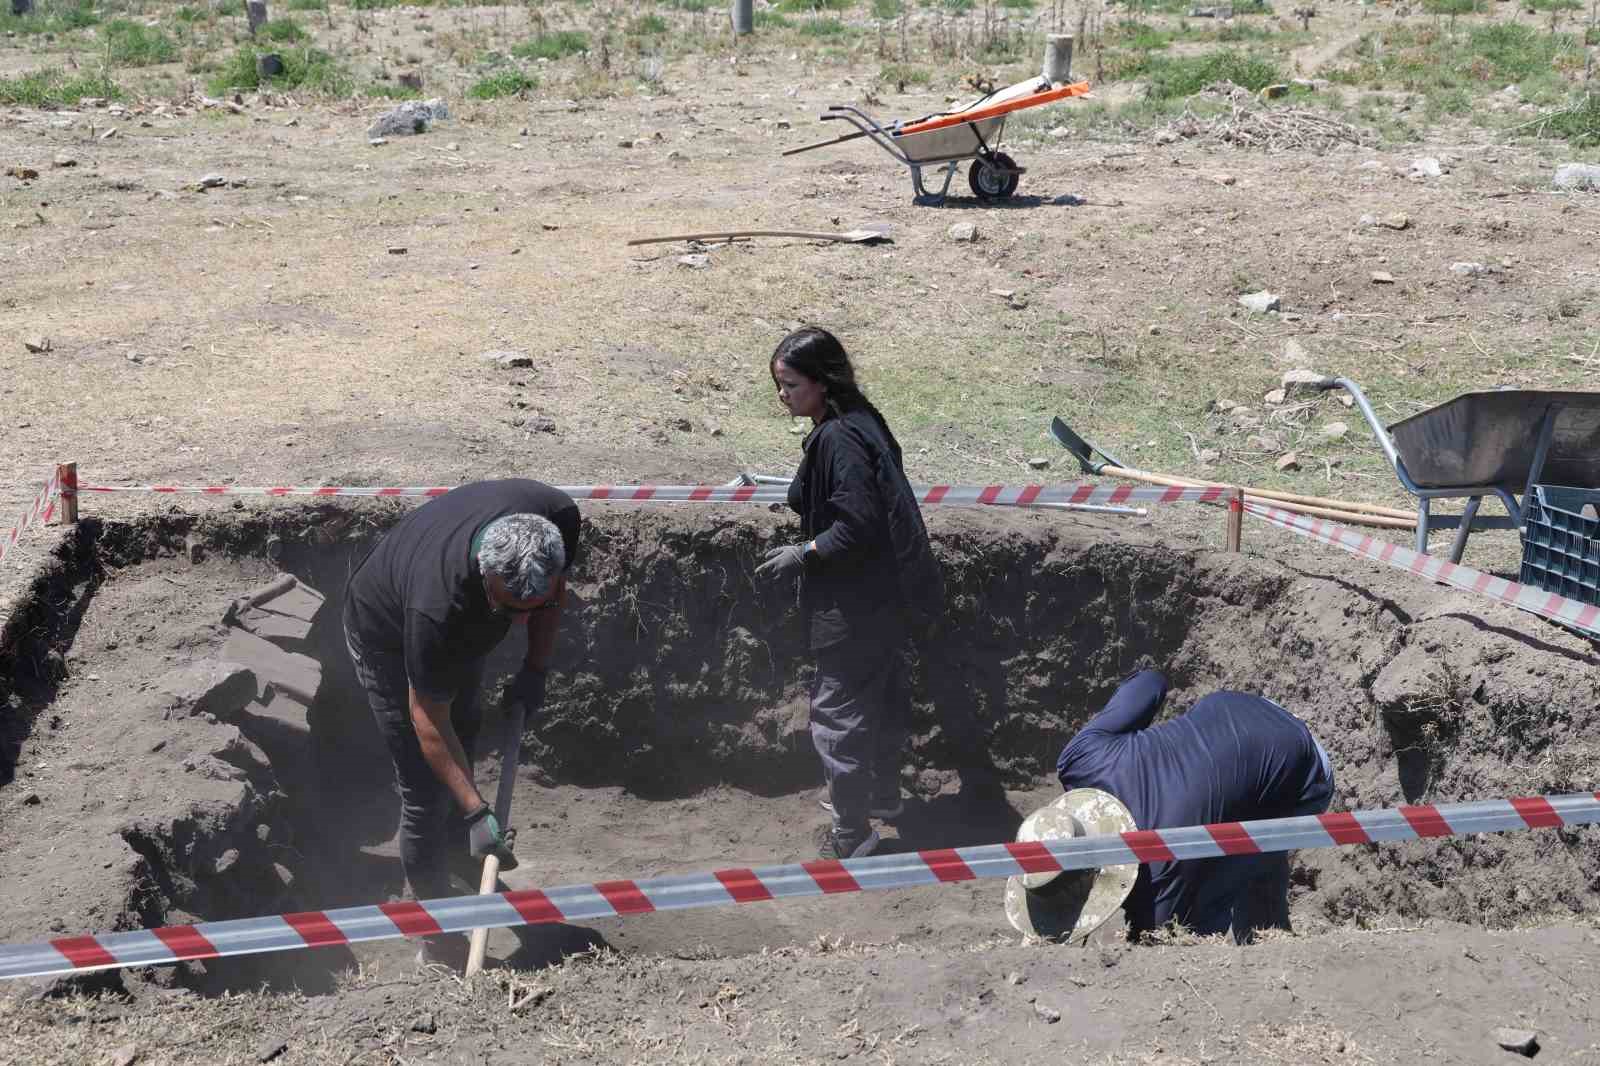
point(125, 800)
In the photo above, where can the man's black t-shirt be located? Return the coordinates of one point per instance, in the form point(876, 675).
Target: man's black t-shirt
point(420, 593)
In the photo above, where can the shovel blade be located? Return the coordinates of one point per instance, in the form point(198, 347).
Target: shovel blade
point(1081, 449)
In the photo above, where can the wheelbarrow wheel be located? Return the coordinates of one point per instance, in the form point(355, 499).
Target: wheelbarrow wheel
point(994, 177)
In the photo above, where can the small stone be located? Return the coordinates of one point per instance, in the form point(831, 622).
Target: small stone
point(1524, 1042)
point(697, 261)
point(713, 428)
point(271, 1048)
point(626, 142)
point(962, 231)
point(1263, 442)
point(377, 142)
point(523, 132)
point(211, 181)
point(1224, 179)
point(1154, 331)
point(1577, 176)
point(1049, 1014)
point(31, 800)
point(62, 159)
point(506, 360)
point(1367, 221)
point(1427, 167)
point(411, 117)
point(1335, 431)
point(227, 861)
point(37, 345)
point(1276, 396)
point(22, 173)
point(1300, 378)
point(1396, 220)
point(1287, 462)
point(1014, 978)
point(397, 249)
point(425, 1024)
point(1347, 400)
point(1222, 407)
point(1209, 455)
point(126, 1055)
point(1382, 277)
point(1039, 463)
point(1469, 270)
point(452, 147)
point(1260, 302)
point(1004, 294)
point(108, 134)
point(676, 156)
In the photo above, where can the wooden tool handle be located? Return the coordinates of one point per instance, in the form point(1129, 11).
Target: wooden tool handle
point(1356, 518)
point(479, 942)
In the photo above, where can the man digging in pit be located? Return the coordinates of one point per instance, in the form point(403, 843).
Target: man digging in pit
point(422, 612)
point(1232, 757)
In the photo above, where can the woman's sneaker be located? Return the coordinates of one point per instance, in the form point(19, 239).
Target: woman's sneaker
point(884, 810)
point(849, 843)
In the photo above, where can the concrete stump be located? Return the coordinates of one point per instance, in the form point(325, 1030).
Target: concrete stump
point(744, 19)
point(1058, 58)
point(269, 65)
point(256, 12)
point(21, 7)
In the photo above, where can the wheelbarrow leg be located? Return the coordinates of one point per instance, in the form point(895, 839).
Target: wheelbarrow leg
point(1422, 525)
point(1459, 545)
point(923, 196)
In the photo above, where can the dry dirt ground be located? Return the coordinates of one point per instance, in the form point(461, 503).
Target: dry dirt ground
point(280, 340)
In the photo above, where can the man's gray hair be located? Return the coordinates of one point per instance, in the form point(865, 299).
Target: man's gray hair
point(526, 551)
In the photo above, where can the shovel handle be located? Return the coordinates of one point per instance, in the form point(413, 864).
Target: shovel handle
point(478, 944)
point(1342, 514)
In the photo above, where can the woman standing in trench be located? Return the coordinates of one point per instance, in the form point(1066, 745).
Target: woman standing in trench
point(864, 564)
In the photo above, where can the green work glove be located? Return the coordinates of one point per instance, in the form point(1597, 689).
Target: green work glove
point(486, 837)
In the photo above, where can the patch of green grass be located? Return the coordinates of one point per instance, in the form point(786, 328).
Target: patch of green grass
point(229, 8)
point(49, 17)
point(955, 7)
point(1483, 58)
point(902, 74)
point(502, 83)
point(282, 31)
point(1176, 77)
point(1553, 5)
point(1138, 35)
point(771, 20)
point(304, 68)
point(648, 25)
point(1578, 124)
point(52, 88)
point(553, 45)
point(691, 6)
point(189, 14)
point(1454, 7)
point(887, 10)
point(307, 5)
point(133, 44)
point(1017, 5)
point(800, 7)
point(388, 91)
point(823, 27)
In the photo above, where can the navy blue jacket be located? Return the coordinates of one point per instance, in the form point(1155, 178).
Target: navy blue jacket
point(1231, 758)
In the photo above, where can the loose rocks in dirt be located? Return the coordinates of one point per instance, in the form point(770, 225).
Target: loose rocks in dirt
point(409, 118)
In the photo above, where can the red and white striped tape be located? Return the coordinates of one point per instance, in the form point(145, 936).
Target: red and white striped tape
point(956, 495)
point(608, 899)
point(1573, 612)
point(44, 506)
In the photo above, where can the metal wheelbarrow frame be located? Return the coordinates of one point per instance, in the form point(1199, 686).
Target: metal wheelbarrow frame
point(948, 139)
point(1486, 443)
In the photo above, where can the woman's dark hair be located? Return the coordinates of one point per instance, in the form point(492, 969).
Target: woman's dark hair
point(817, 354)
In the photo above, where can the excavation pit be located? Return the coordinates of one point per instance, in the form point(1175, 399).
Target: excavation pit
point(675, 735)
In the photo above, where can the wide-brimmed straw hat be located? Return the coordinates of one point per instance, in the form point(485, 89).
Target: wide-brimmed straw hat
point(1070, 905)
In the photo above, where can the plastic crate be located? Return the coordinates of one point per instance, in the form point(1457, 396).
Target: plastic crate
point(1560, 547)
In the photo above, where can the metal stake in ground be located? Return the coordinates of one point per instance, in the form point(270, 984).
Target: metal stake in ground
point(510, 751)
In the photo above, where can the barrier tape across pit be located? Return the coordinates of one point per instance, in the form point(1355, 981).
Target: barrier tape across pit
point(950, 495)
point(609, 899)
point(43, 508)
point(1551, 605)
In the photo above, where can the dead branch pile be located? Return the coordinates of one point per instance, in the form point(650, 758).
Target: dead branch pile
point(1251, 123)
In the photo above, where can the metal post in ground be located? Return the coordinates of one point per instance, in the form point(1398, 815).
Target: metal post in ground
point(744, 18)
point(1058, 58)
